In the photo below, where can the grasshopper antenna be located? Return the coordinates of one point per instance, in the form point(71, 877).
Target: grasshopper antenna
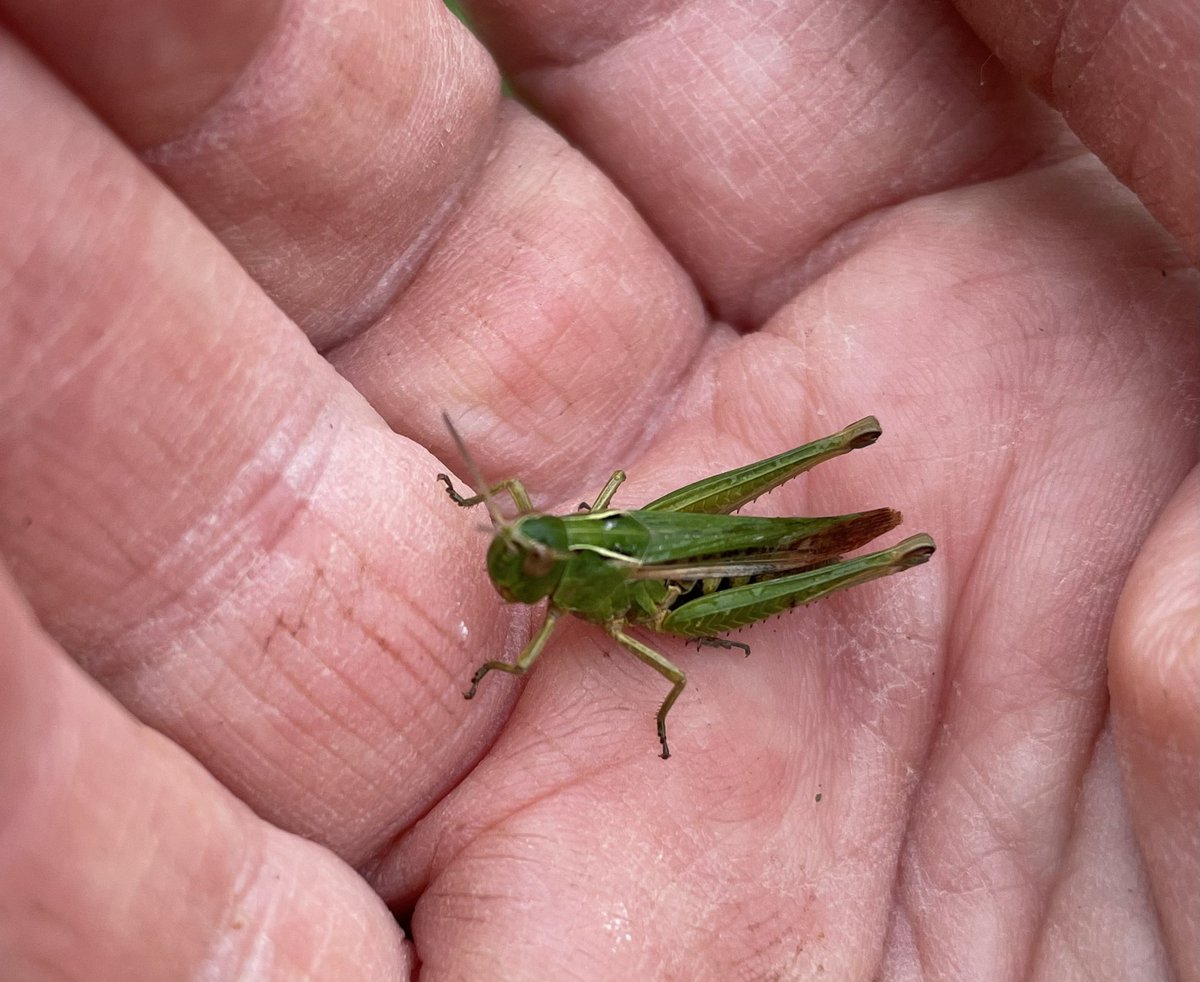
point(476, 475)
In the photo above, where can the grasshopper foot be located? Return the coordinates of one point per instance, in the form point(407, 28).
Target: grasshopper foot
point(457, 498)
point(470, 693)
point(714, 642)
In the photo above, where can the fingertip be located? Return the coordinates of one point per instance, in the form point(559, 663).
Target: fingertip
point(1155, 653)
point(1154, 681)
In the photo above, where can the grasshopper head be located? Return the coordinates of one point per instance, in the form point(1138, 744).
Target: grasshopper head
point(527, 557)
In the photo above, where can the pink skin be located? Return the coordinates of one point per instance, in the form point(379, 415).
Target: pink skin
point(767, 223)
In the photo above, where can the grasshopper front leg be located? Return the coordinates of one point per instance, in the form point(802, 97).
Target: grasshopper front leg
point(606, 492)
point(516, 491)
point(664, 668)
point(527, 657)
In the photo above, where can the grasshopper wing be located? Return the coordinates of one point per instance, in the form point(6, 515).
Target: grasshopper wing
point(698, 539)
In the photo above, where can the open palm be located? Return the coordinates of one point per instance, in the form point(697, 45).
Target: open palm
point(735, 228)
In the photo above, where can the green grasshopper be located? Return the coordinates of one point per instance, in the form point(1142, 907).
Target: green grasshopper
point(682, 564)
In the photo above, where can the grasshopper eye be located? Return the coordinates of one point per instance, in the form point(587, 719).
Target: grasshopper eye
point(537, 563)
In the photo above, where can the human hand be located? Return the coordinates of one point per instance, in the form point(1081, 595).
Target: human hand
point(834, 212)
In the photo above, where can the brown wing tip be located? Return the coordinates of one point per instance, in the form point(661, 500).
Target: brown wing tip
point(880, 520)
point(869, 525)
point(852, 531)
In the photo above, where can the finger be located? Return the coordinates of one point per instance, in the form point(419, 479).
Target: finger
point(548, 322)
point(748, 139)
point(207, 516)
point(122, 859)
point(325, 142)
point(1101, 919)
point(504, 271)
point(1126, 77)
point(1155, 683)
point(149, 70)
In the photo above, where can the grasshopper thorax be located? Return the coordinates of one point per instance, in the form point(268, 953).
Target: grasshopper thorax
point(527, 557)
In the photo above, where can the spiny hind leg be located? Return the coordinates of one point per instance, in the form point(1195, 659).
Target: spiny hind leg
point(664, 668)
